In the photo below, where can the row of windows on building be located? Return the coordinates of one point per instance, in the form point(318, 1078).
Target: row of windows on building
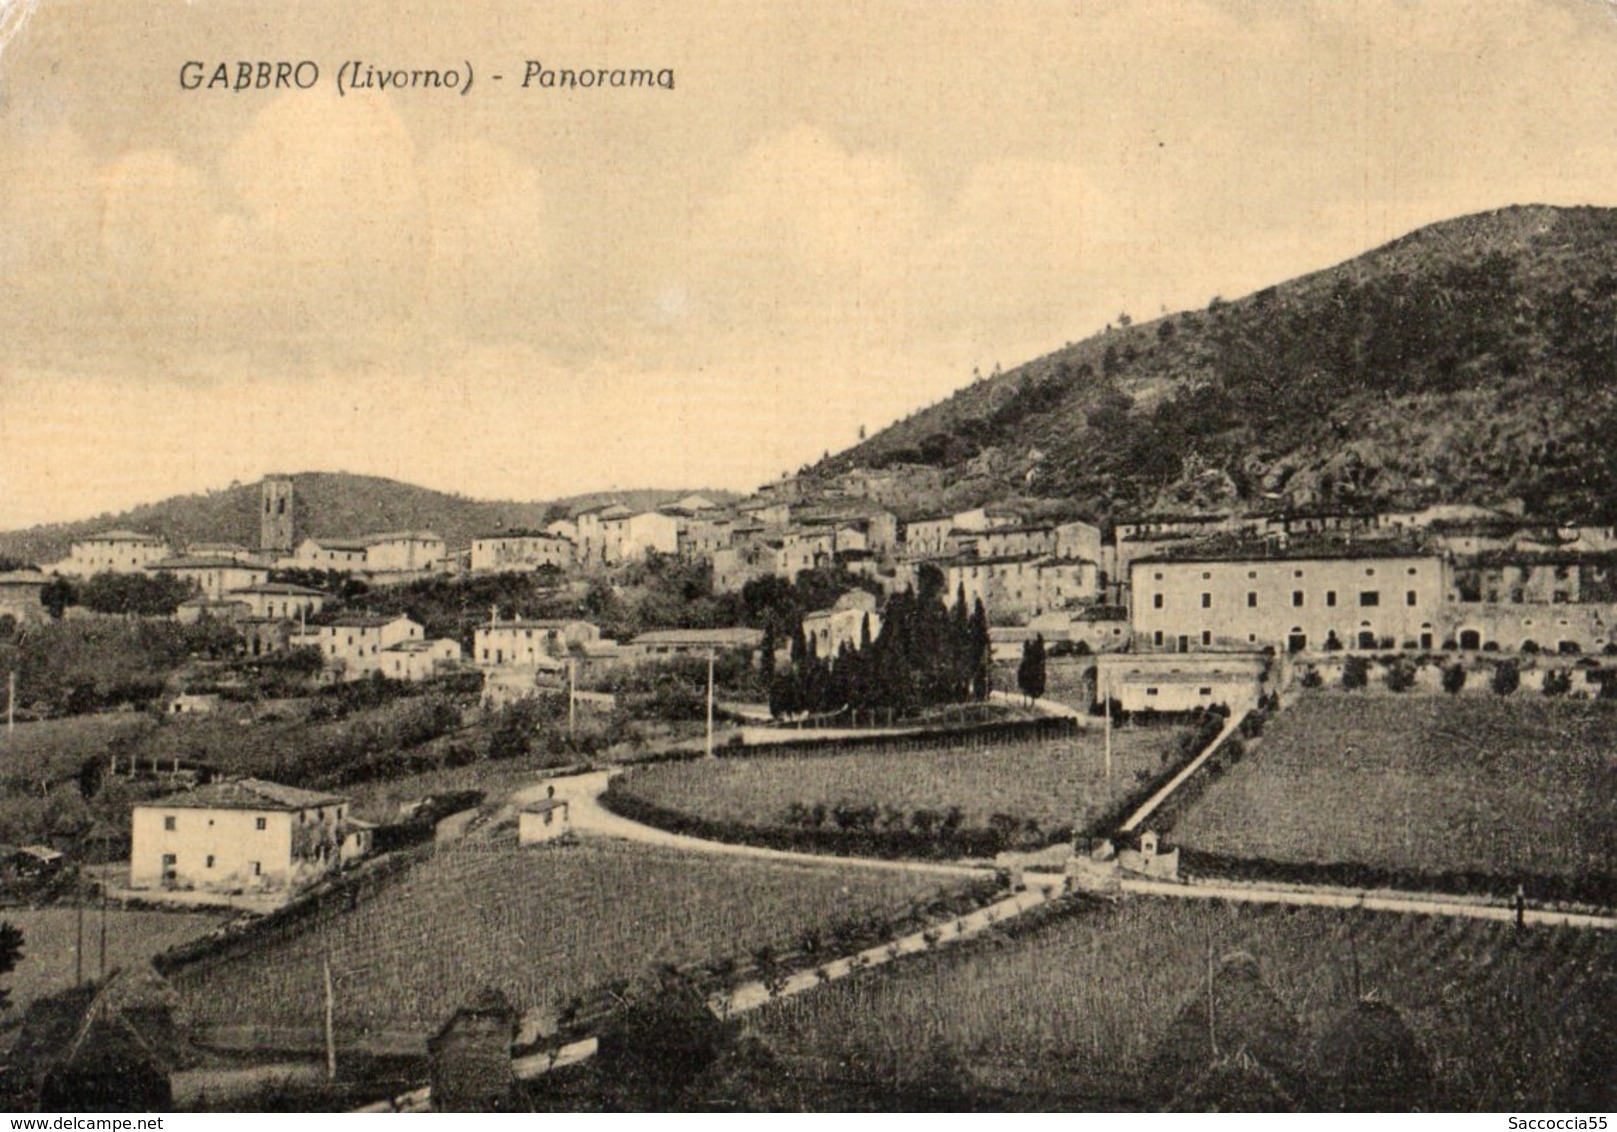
point(1299, 598)
point(172, 860)
point(171, 822)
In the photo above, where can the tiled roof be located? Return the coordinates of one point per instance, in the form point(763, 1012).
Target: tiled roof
point(244, 794)
point(204, 562)
point(736, 636)
point(286, 589)
point(121, 536)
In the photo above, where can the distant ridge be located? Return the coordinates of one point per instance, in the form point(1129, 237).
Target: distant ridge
point(1473, 360)
point(330, 505)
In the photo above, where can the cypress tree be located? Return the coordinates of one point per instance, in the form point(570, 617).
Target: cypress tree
point(982, 652)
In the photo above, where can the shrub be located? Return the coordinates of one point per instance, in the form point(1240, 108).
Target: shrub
point(1506, 678)
point(1355, 673)
point(1557, 682)
point(1454, 679)
point(1400, 676)
point(1311, 677)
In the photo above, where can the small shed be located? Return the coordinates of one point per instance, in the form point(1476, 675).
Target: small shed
point(194, 703)
point(470, 1057)
point(544, 820)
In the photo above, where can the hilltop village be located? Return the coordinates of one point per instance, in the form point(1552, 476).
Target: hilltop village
point(1004, 711)
point(1458, 578)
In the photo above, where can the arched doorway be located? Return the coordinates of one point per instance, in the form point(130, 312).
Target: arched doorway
point(1297, 641)
point(1470, 639)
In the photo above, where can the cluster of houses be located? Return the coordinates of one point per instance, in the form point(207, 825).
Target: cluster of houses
point(1470, 578)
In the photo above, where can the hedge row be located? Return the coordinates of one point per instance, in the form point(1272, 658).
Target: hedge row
point(585, 1013)
point(1597, 888)
point(891, 844)
point(955, 735)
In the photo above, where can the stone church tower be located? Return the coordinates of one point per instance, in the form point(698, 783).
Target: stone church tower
point(276, 522)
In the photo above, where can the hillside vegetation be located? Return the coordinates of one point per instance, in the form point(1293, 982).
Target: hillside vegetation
point(329, 504)
point(1474, 360)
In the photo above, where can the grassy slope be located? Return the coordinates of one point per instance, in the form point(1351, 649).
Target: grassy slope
point(1422, 783)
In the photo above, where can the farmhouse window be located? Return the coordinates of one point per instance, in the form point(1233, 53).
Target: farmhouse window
point(1409, 598)
point(1207, 636)
point(1156, 601)
point(258, 868)
point(168, 822)
point(210, 861)
point(1204, 691)
point(1370, 597)
point(1150, 691)
point(1330, 598)
point(1207, 601)
point(1296, 597)
point(1156, 638)
point(1251, 599)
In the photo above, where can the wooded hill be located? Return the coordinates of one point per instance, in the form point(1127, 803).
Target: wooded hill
point(1474, 360)
point(330, 505)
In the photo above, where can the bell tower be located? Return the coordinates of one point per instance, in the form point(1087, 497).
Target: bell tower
point(276, 521)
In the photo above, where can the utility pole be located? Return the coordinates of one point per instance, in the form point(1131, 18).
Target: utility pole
point(78, 938)
point(1106, 713)
point(710, 703)
point(331, 1011)
point(572, 687)
point(11, 703)
point(106, 851)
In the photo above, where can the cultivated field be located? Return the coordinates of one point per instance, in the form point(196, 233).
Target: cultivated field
point(1423, 785)
point(49, 937)
point(1107, 1007)
point(543, 924)
point(1056, 783)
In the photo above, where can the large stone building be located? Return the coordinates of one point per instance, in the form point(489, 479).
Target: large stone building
point(1363, 596)
point(520, 551)
point(525, 643)
point(113, 552)
point(242, 835)
point(214, 578)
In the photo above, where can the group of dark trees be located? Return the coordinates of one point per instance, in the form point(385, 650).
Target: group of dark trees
point(927, 653)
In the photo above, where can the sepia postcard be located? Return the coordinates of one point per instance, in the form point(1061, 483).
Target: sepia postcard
point(768, 556)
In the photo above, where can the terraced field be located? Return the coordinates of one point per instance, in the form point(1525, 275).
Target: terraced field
point(1108, 1007)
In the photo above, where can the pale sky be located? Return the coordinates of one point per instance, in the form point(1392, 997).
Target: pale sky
point(838, 211)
